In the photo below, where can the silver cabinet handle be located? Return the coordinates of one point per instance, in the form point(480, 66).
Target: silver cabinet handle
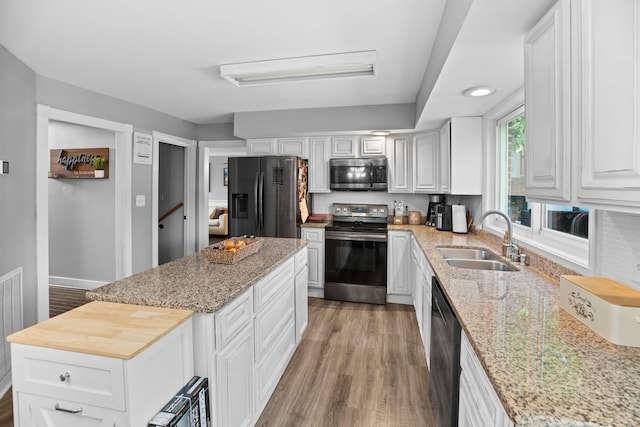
point(70, 411)
point(65, 376)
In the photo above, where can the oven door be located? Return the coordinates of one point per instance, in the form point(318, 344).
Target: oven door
point(356, 266)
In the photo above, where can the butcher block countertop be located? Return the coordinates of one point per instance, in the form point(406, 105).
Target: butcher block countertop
point(104, 329)
point(194, 283)
point(547, 368)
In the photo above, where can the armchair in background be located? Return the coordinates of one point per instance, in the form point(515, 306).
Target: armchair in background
point(219, 222)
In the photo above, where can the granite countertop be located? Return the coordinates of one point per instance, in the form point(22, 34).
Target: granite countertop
point(314, 224)
point(193, 283)
point(547, 368)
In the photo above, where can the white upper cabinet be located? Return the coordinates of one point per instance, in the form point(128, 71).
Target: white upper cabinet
point(466, 155)
point(399, 164)
point(319, 164)
point(261, 147)
point(372, 146)
point(444, 184)
point(292, 147)
point(425, 162)
point(547, 109)
point(344, 146)
point(607, 51)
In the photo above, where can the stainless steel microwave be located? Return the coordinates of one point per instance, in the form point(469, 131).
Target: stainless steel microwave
point(358, 174)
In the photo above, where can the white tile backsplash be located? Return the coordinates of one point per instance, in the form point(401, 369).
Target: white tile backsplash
point(619, 236)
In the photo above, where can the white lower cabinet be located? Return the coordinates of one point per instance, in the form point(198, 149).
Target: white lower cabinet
point(245, 347)
point(302, 302)
point(234, 381)
point(398, 266)
point(422, 295)
point(315, 248)
point(479, 405)
point(59, 388)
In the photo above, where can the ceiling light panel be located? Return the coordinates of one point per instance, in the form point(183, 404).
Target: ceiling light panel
point(351, 64)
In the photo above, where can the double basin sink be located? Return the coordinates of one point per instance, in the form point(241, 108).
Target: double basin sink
point(474, 258)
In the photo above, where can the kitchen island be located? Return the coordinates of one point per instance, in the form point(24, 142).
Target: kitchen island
point(249, 319)
point(547, 368)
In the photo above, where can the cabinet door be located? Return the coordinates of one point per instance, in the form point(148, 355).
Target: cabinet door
point(425, 162)
point(444, 184)
point(315, 249)
point(319, 165)
point(292, 147)
point(399, 158)
point(609, 52)
point(344, 146)
point(234, 381)
point(302, 301)
point(39, 411)
point(547, 95)
point(466, 155)
point(261, 147)
point(372, 146)
point(398, 263)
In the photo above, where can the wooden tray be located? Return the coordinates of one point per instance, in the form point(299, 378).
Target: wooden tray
point(218, 254)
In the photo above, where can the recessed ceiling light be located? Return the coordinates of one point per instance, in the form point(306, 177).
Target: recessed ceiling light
point(479, 91)
point(380, 133)
point(350, 64)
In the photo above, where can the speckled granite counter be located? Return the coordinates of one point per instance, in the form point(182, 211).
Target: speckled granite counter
point(322, 224)
point(547, 368)
point(193, 283)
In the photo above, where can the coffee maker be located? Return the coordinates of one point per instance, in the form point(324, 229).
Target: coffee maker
point(434, 201)
point(443, 217)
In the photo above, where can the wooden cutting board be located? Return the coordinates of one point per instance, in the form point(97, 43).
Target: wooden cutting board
point(104, 329)
point(607, 289)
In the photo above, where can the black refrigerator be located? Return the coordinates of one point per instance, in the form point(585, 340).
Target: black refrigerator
point(267, 196)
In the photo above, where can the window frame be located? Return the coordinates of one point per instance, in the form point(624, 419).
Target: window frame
point(563, 248)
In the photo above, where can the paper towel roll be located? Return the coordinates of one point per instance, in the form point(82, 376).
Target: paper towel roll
point(459, 218)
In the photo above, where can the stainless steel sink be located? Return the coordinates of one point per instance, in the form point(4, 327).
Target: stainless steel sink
point(474, 258)
point(480, 264)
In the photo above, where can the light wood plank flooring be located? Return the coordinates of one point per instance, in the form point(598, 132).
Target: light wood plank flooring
point(357, 365)
point(61, 299)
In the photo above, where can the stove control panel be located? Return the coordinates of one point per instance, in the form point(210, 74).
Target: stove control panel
point(358, 210)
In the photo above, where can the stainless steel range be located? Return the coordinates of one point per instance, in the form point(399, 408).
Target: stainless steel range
point(356, 254)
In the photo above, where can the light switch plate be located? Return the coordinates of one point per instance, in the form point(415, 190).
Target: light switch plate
point(4, 167)
point(140, 200)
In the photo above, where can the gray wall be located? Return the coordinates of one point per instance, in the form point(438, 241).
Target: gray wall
point(215, 132)
point(82, 240)
point(57, 94)
point(217, 189)
point(18, 189)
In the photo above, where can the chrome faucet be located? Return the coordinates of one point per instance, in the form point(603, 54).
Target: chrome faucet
point(512, 248)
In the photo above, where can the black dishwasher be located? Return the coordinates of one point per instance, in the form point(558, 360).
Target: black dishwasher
point(444, 382)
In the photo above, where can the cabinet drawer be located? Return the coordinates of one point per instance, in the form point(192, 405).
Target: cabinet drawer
point(266, 288)
point(76, 377)
point(37, 411)
point(269, 322)
point(313, 234)
point(233, 317)
point(301, 259)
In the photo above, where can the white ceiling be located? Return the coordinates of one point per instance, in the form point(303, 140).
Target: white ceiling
point(165, 54)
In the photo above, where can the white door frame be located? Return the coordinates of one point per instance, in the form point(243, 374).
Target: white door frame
point(122, 208)
point(190, 147)
point(206, 149)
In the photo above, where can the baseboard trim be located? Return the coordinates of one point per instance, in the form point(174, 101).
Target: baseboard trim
point(70, 282)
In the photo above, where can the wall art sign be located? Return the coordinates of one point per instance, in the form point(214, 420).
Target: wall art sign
point(78, 162)
point(142, 148)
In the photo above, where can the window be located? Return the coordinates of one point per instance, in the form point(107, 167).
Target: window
point(512, 179)
point(562, 230)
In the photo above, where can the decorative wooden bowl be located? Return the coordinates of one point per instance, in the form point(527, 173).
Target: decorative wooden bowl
point(221, 254)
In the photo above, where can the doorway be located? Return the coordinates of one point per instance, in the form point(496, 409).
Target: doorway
point(174, 198)
point(171, 211)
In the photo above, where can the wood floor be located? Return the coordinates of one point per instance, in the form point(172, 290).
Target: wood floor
point(61, 299)
point(357, 365)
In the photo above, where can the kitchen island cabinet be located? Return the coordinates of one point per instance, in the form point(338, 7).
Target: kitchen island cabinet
point(100, 364)
point(545, 367)
point(315, 237)
point(244, 327)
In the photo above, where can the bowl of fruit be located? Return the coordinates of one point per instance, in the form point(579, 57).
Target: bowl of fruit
point(232, 250)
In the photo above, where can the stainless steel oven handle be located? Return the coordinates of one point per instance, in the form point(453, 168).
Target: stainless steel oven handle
point(360, 237)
